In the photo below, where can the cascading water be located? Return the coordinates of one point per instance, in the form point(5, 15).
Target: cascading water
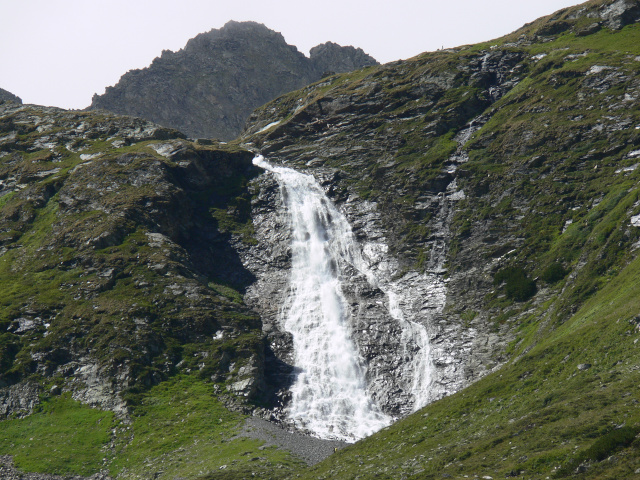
point(420, 368)
point(329, 395)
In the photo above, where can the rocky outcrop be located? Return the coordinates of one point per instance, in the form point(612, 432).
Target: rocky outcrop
point(118, 233)
point(330, 57)
point(9, 97)
point(209, 88)
point(620, 13)
point(19, 400)
point(583, 20)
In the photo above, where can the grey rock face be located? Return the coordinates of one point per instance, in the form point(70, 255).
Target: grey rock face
point(620, 13)
point(6, 96)
point(95, 386)
point(209, 88)
point(331, 57)
point(19, 400)
point(269, 261)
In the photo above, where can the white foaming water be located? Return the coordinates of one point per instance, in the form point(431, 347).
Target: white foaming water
point(329, 396)
point(420, 367)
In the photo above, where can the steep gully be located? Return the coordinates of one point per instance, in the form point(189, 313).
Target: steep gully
point(340, 386)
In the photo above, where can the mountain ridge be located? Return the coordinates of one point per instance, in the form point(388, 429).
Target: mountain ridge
point(208, 88)
point(6, 96)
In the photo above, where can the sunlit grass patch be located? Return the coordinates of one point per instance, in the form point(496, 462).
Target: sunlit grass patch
point(61, 437)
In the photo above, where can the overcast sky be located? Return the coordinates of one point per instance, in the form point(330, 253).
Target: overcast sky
point(61, 52)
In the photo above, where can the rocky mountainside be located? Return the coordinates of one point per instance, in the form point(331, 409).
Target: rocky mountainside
point(9, 97)
point(493, 188)
point(117, 264)
point(507, 170)
point(209, 88)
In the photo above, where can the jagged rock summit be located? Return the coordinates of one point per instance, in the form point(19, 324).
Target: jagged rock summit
point(209, 88)
point(6, 96)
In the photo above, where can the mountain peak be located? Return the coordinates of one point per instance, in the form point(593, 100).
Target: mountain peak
point(6, 96)
point(330, 56)
point(209, 88)
point(248, 30)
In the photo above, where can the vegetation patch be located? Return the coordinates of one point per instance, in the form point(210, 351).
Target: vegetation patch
point(62, 437)
point(517, 285)
point(553, 273)
point(602, 448)
point(180, 429)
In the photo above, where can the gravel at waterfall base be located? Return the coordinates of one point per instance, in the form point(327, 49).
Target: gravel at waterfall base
point(310, 449)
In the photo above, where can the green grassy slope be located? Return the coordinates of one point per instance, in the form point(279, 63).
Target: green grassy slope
point(179, 428)
point(62, 437)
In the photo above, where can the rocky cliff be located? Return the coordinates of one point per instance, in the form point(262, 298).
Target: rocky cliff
point(209, 88)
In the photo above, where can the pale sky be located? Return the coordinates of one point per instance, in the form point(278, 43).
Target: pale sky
point(61, 52)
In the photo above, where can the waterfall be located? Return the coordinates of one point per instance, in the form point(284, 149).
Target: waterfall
point(329, 394)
